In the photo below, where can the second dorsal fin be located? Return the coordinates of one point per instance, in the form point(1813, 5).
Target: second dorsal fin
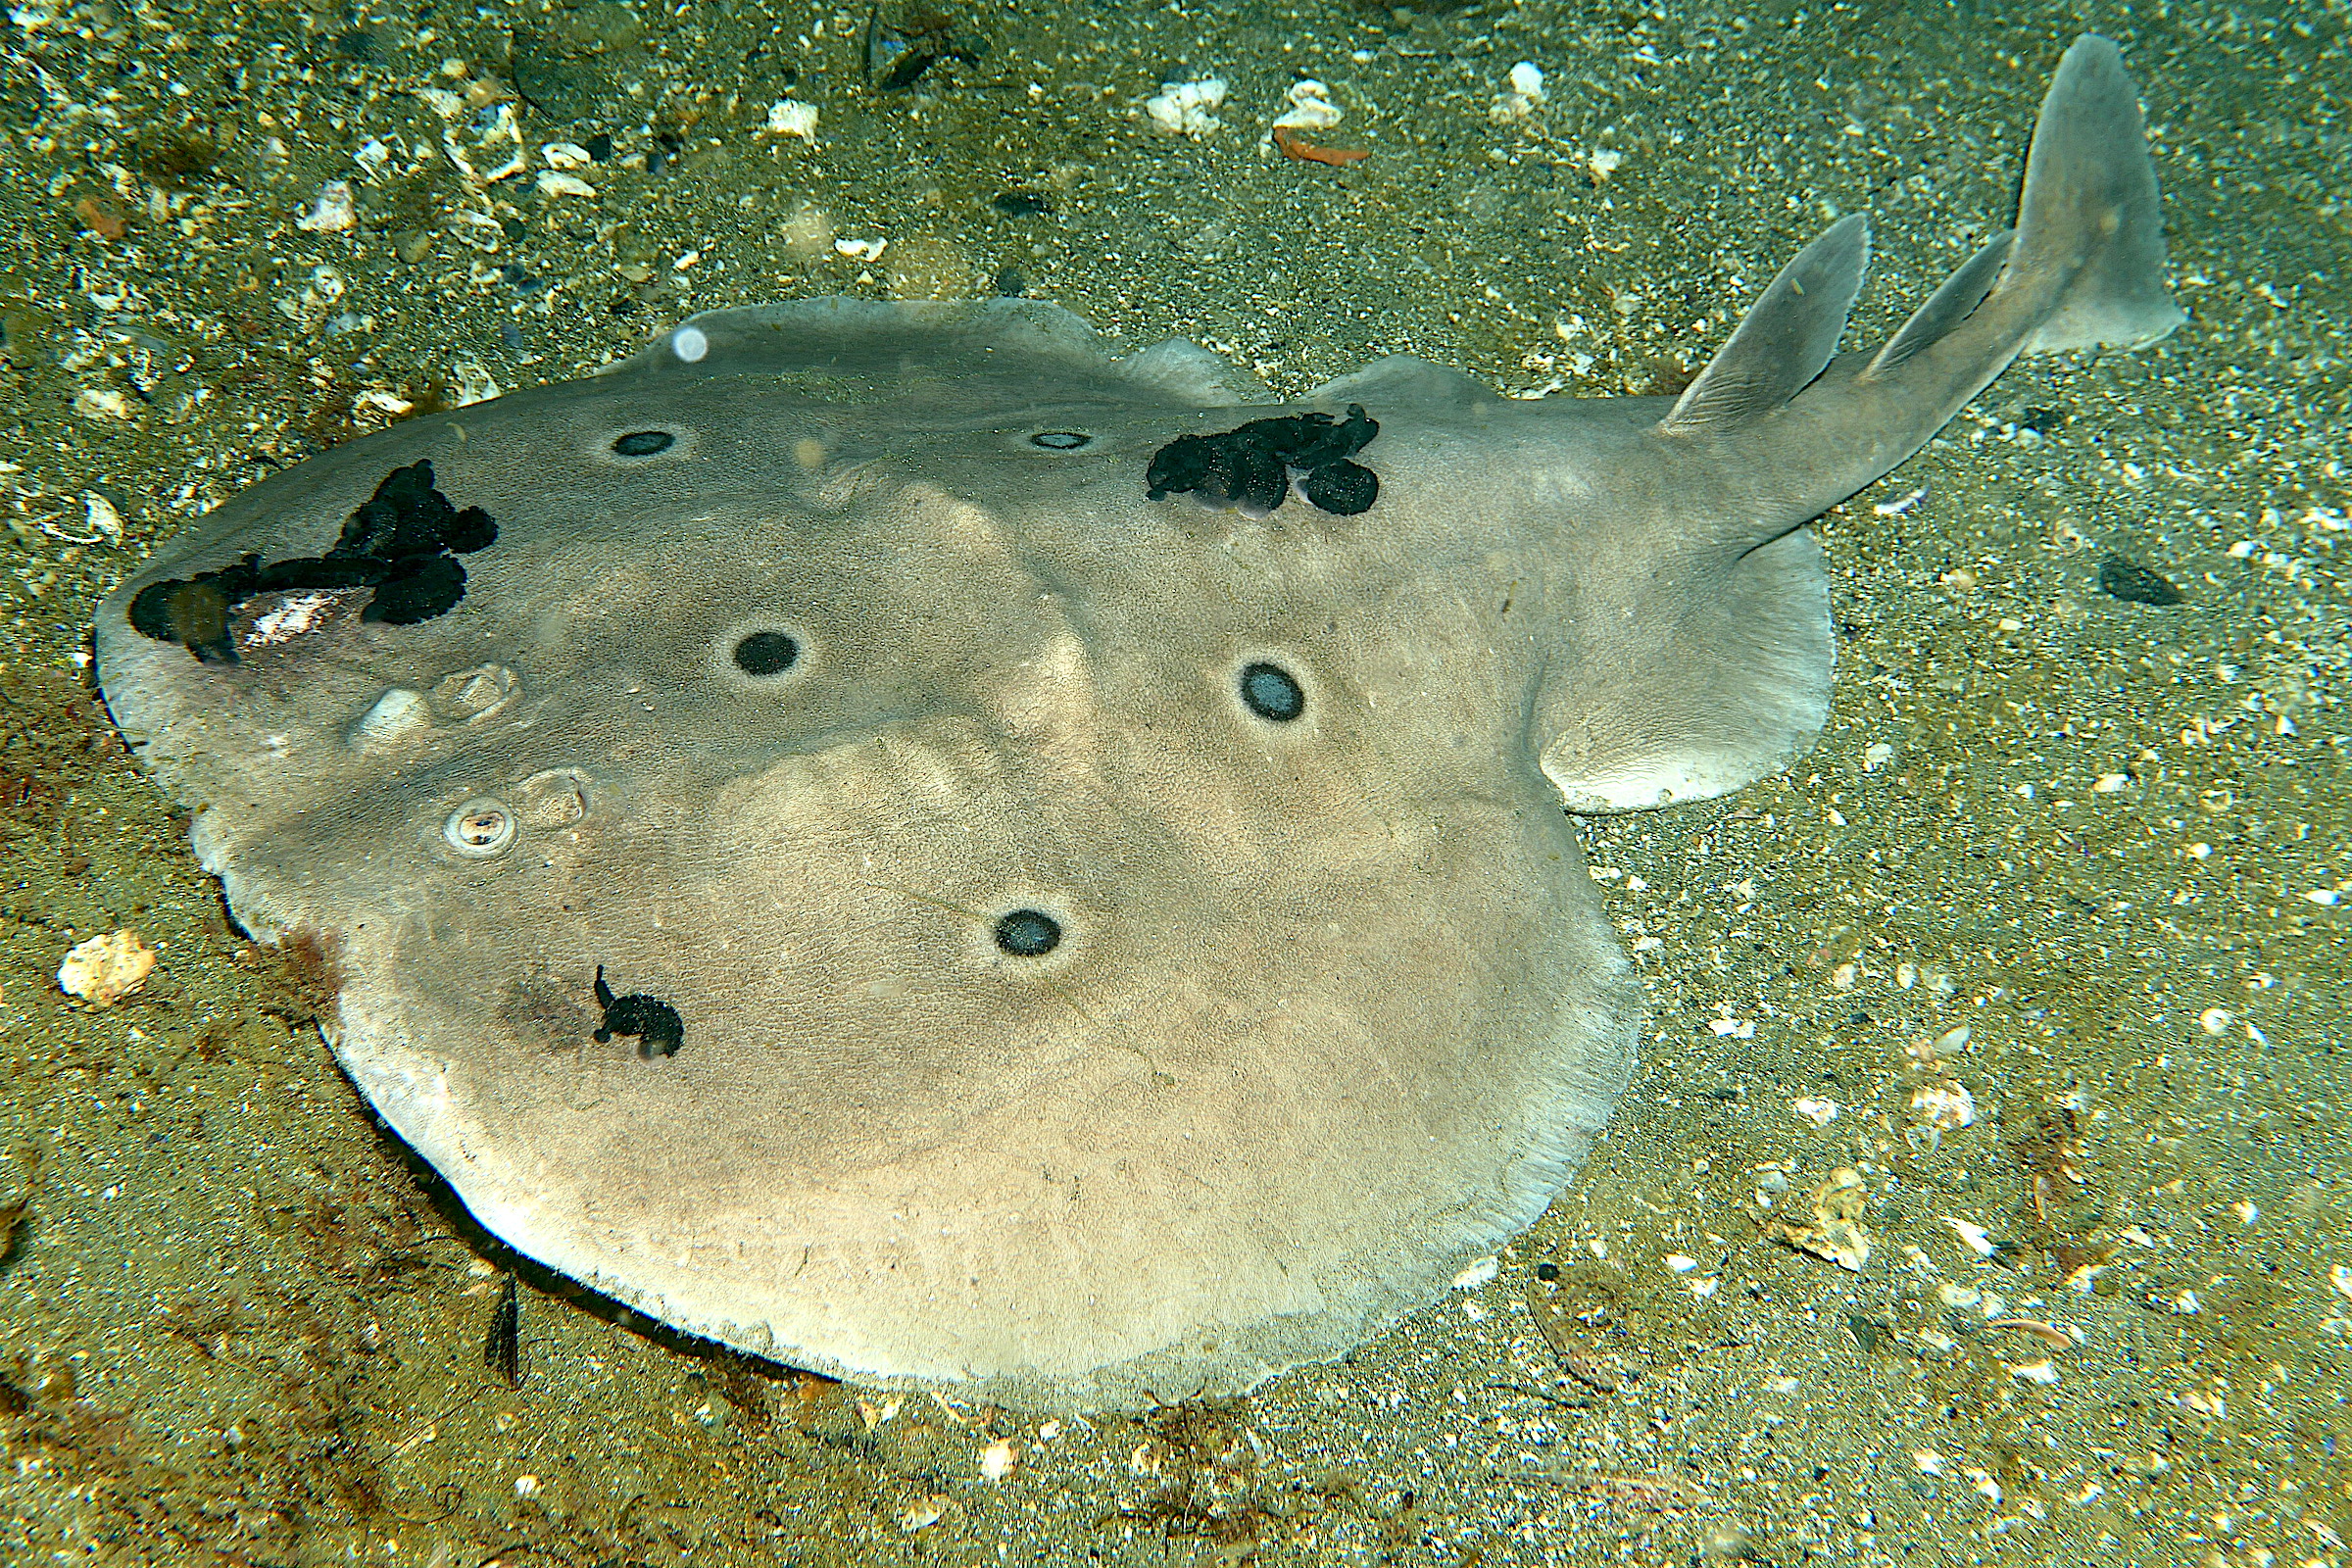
point(1783, 341)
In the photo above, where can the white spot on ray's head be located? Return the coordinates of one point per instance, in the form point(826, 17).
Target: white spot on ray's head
point(689, 344)
point(292, 618)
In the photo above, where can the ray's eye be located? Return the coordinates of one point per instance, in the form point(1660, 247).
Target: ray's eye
point(1061, 440)
point(767, 652)
point(1272, 692)
point(1028, 933)
point(642, 443)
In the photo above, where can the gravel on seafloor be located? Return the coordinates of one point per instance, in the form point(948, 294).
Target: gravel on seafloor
point(1983, 1195)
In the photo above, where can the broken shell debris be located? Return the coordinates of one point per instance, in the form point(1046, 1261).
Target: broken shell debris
point(105, 969)
point(1187, 108)
point(1311, 107)
point(1526, 95)
point(1944, 1105)
point(788, 116)
point(333, 213)
point(1837, 1232)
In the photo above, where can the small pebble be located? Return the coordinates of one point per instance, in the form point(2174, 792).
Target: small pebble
point(1187, 108)
point(788, 116)
point(333, 213)
point(2130, 580)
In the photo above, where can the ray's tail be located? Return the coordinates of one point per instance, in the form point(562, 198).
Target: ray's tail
point(2084, 267)
point(1730, 646)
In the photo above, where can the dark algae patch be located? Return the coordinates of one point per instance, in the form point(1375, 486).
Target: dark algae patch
point(404, 542)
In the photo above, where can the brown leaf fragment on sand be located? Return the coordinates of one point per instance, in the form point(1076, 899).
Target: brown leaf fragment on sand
point(502, 1345)
point(1296, 146)
point(1573, 1308)
point(2047, 1333)
point(1837, 1232)
point(2069, 1260)
point(13, 1212)
point(11, 1215)
point(100, 219)
point(1583, 1366)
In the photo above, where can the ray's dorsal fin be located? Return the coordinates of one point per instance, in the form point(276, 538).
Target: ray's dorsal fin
point(1954, 302)
point(1783, 341)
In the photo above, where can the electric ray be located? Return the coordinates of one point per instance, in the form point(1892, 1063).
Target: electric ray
point(888, 837)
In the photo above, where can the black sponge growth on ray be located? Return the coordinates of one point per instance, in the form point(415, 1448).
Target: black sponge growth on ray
point(659, 1029)
point(1251, 467)
point(404, 542)
point(1342, 488)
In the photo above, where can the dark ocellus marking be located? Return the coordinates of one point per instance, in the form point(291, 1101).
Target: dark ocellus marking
point(659, 1029)
point(1272, 692)
point(1028, 933)
point(2130, 580)
point(404, 542)
point(642, 443)
point(1251, 468)
point(767, 652)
